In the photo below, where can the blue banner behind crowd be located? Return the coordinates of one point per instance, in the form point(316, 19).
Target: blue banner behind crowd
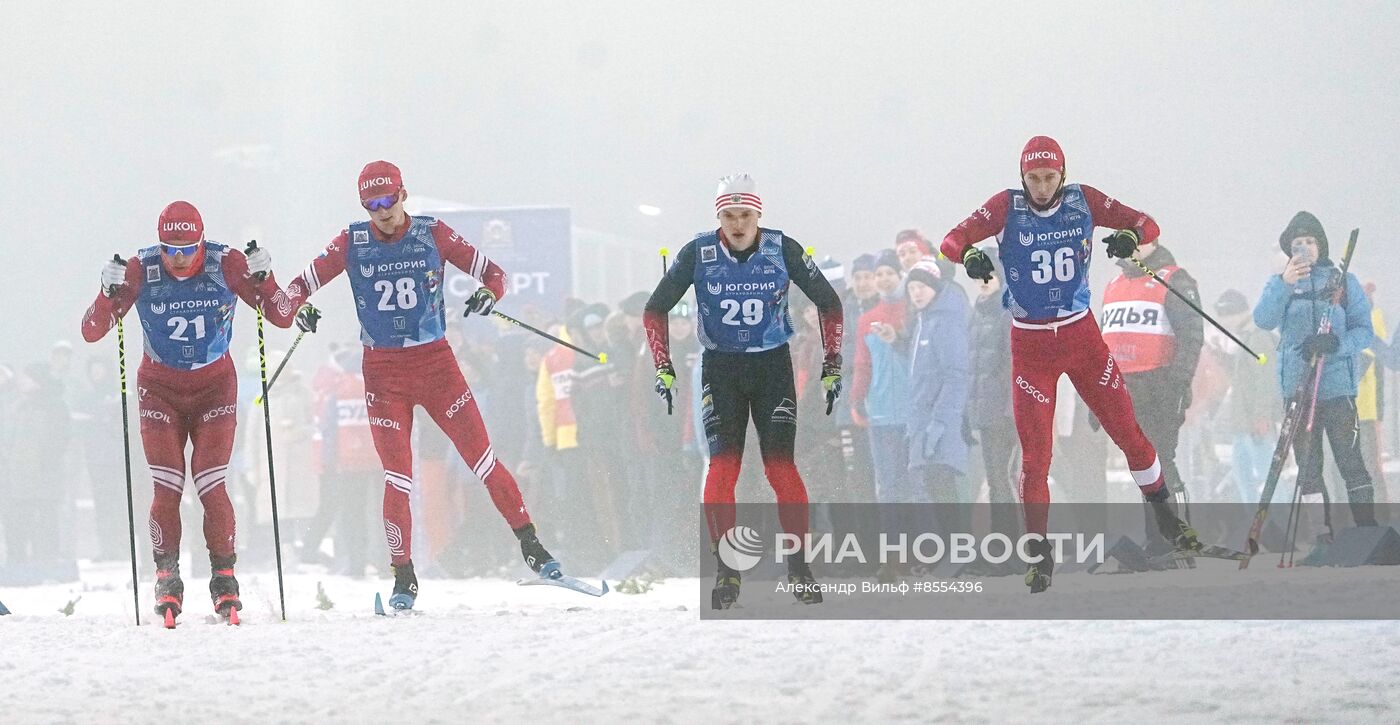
point(532, 244)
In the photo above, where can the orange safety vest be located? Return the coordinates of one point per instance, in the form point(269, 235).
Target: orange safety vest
point(1135, 323)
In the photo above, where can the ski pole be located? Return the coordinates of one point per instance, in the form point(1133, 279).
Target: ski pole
point(1147, 271)
point(126, 449)
point(258, 400)
point(1290, 530)
point(670, 403)
point(831, 394)
point(601, 357)
point(271, 470)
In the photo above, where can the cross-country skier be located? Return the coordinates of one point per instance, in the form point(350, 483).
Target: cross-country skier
point(1045, 234)
point(741, 273)
point(395, 265)
point(185, 291)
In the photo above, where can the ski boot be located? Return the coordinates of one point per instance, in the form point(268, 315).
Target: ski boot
point(1038, 573)
point(726, 591)
point(1173, 528)
point(804, 585)
point(405, 586)
point(223, 589)
point(170, 589)
point(536, 556)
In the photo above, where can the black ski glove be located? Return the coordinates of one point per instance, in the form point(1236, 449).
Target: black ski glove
point(978, 264)
point(665, 381)
point(482, 301)
point(307, 317)
point(831, 381)
point(1122, 243)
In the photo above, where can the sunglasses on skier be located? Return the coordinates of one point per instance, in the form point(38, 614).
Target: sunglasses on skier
point(382, 202)
point(179, 250)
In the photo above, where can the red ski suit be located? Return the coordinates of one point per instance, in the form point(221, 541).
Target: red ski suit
point(179, 406)
point(398, 379)
point(1042, 350)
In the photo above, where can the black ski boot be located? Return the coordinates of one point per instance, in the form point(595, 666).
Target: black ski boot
point(804, 585)
point(1038, 573)
point(170, 589)
point(726, 591)
point(223, 588)
point(1174, 529)
point(536, 556)
point(405, 586)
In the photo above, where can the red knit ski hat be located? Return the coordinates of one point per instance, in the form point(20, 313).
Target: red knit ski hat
point(914, 237)
point(1042, 152)
point(379, 178)
point(179, 222)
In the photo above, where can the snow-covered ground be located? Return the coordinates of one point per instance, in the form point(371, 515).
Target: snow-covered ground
point(488, 650)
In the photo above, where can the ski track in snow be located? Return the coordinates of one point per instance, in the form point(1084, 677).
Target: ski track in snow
point(488, 650)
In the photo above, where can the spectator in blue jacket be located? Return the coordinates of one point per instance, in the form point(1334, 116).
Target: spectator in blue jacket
point(938, 381)
point(1322, 317)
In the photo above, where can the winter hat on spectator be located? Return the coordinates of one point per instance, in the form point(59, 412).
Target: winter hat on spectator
point(594, 314)
point(737, 191)
point(887, 258)
point(587, 316)
point(915, 237)
point(863, 263)
point(1231, 302)
point(926, 271)
point(1303, 225)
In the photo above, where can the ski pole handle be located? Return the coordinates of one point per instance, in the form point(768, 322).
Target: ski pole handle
point(252, 245)
point(116, 259)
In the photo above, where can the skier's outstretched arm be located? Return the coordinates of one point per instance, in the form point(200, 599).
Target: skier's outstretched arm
point(324, 268)
point(265, 294)
point(456, 249)
point(803, 271)
point(113, 300)
point(669, 291)
point(1113, 214)
point(987, 221)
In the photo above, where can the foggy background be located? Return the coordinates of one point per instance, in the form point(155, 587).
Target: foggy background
point(1221, 120)
point(858, 120)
